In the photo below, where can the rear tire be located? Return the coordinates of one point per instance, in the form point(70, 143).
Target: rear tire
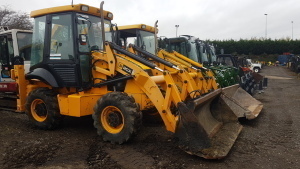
point(117, 117)
point(42, 109)
point(256, 70)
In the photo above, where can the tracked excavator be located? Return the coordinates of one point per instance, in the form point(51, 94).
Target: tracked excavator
point(76, 70)
point(13, 42)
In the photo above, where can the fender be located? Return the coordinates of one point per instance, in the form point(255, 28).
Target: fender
point(43, 75)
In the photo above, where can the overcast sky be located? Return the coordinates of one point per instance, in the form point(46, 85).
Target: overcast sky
point(206, 19)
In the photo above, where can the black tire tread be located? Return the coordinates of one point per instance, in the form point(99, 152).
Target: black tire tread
point(54, 118)
point(133, 117)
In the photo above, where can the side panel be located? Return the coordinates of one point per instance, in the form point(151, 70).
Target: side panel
point(77, 105)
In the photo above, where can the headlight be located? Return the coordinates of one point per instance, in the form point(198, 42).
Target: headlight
point(84, 8)
point(109, 15)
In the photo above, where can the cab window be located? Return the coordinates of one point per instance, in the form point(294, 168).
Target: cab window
point(61, 46)
point(38, 39)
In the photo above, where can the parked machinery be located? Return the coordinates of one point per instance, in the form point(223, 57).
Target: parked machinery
point(13, 42)
point(227, 77)
point(76, 71)
point(294, 62)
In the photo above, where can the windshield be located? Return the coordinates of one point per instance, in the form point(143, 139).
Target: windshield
point(226, 61)
point(91, 27)
point(178, 46)
point(146, 41)
point(24, 44)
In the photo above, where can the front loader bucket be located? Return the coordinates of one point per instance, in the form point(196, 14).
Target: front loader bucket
point(206, 131)
point(241, 102)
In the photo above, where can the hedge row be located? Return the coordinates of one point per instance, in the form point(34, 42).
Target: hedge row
point(258, 46)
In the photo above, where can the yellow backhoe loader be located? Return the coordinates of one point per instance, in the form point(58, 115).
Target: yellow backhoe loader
point(240, 102)
point(76, 70)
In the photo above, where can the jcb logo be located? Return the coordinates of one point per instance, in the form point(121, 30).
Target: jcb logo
point(127, 69)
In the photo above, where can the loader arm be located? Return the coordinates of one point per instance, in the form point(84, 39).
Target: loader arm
point(239, 100)
point(203, 81)
point(147, 85)
point(196, 121)
point(190, 80)
point(191, 120)
point(209, 76)
point(185, 81)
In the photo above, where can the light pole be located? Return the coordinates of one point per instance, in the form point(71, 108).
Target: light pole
point(266, 25)
point(292, 29)
point(176, 29)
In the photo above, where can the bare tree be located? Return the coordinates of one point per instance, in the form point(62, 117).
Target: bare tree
point(13, 19)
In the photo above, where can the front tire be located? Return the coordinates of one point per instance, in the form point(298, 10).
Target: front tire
point(256, 70)
point(117, 117)
point(42, 109)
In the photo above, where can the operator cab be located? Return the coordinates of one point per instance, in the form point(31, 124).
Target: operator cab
point(141, 35)
point(227, 60)
point(63, 38)
point(14, 42)
point(185, 45)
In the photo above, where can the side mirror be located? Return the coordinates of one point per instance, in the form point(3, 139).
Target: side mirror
point(82, 39)
point(144, 47)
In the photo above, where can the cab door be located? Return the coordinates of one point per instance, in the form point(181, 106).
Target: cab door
point(60, 56)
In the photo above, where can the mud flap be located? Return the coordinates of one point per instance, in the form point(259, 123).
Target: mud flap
point(200, 133)
point(241, 102)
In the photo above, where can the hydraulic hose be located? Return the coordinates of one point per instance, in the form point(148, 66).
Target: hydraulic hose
point(133, 56)
point(154, 57)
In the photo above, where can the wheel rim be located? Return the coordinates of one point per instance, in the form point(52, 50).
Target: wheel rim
point(112, 119)
point(39, 110)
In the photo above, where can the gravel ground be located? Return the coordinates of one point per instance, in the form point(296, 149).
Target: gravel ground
point(269, 141)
